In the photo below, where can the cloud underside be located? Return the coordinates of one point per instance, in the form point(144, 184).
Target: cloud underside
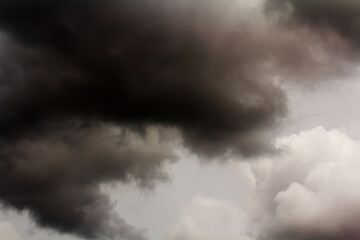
point(96, 92)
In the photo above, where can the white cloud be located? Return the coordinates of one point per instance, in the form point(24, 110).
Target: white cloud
point(311, 190)
point(7, 231)
point(312, 187)
point(211, 219)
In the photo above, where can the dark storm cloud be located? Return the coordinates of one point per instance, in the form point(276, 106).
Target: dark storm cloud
point(72, 73)
point(139, 67)
point(341, 16)
point(56, 176)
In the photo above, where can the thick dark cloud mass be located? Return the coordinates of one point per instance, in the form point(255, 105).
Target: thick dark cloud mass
point(81, 82)
point(67, 69)
point(56, 176)
point(341, 16)
point(139, 67)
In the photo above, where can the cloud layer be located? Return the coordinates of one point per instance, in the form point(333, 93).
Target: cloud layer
point(309, 191)
point(339, 16)
point(85, 84)
point(56, 176)
point(211, 219)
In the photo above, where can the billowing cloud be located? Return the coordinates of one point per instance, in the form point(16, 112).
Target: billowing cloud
point(57, 176)
point(201, 68)
point(139, 65)
point(82, 82)
point(310, 191)
point(323, 201)
point(211, 219)
point(339, 16)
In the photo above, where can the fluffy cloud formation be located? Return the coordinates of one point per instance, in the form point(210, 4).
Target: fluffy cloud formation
point(309, 191)
point(75, 72)
point(7, 231)
point(211, 219)
point(57, 175)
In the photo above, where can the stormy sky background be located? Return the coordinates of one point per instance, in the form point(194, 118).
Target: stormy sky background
point(179, 120)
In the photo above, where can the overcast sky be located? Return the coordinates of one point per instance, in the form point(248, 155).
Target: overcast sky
point(281, 161)
point(208, 193)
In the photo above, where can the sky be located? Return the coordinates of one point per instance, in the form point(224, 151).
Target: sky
point(179, 120)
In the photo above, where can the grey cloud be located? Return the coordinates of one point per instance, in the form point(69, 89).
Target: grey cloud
point(201, 69)
point(341, 16)
point(56, 176)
